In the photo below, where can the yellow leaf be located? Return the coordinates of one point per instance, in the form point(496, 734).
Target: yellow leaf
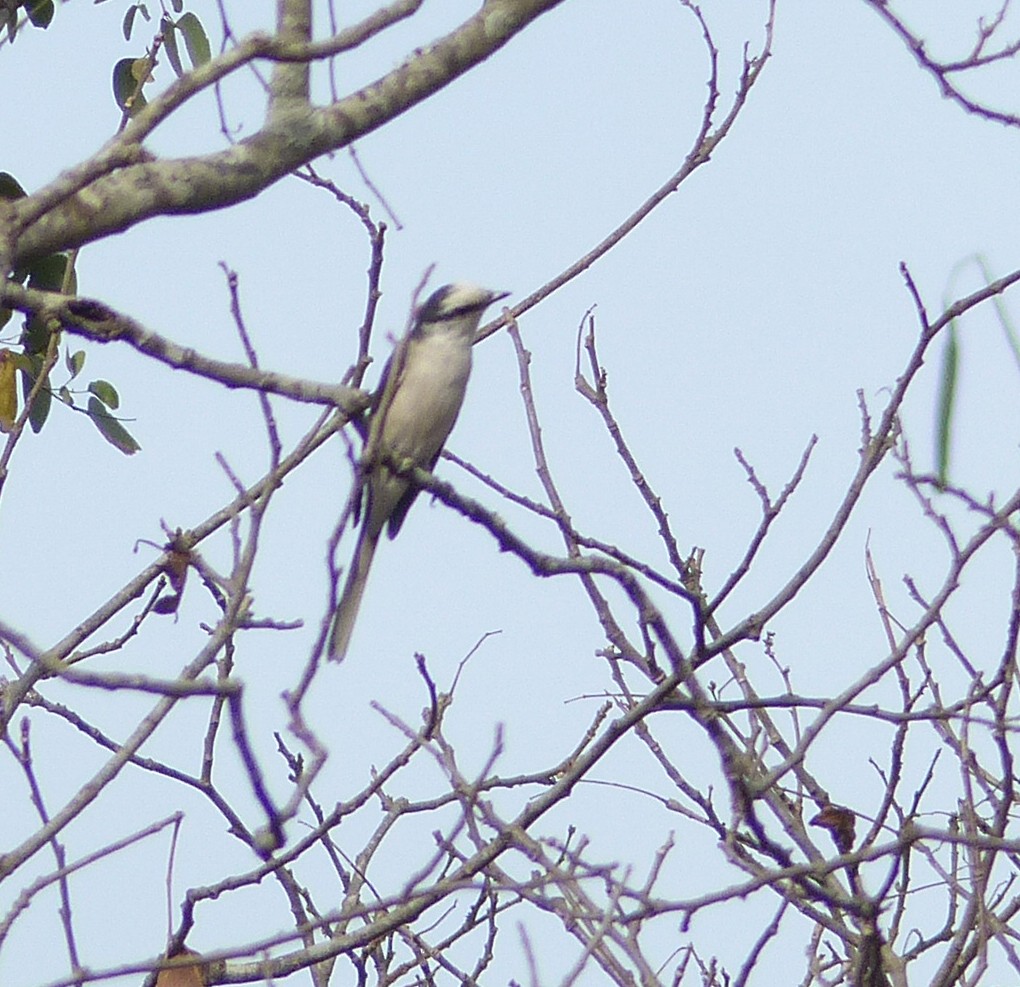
point(8, 391)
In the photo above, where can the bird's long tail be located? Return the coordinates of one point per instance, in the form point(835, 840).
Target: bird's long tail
point(350, 600)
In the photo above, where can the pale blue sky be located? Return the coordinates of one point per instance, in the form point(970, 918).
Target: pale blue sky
point(745, 312)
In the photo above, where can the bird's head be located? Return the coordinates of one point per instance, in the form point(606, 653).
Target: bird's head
point(455, 308)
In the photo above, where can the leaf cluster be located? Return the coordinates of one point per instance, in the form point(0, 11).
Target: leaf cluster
point(131, 74)
point(39, 13)
point(35, 357)
point(34, 360)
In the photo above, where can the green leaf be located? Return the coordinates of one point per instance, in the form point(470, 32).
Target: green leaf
point(35, 336)
point(74, 362)
point(129, 21)
point(40, 12)
point(47, 274)
point(946, 399)
point(41, 407)
point(170, 45)
point(65, 395)
point(126, 89)
point(43, 400)
point(111, 429)
point(10, 188)
point(10, 15)
point(195, 38)
point(106, 393)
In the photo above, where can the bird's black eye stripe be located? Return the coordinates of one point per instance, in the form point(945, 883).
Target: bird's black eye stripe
point(462, 309)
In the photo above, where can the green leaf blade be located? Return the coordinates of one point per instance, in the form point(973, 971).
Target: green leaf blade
point(946, 401)
point(126, 89)
point(10, 187)
point(40, 409)
point(74, 362)
point(106, 393)
point(111, 429)
point(173, 54)
point(195, 38)
point(40, 12)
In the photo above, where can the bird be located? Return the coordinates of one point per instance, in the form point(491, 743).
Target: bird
point(416, 405)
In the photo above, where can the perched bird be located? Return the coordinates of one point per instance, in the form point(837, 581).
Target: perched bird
point(418, 401)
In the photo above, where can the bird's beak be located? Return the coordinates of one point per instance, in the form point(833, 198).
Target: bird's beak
point(497, 295)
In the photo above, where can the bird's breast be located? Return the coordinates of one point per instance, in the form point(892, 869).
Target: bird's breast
point(428, 399)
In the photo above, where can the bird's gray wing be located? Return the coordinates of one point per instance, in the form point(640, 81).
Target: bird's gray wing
point(363, 501)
